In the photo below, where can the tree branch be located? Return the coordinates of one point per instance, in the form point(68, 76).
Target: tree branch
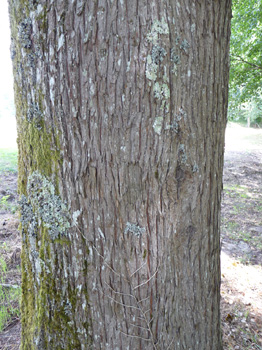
point(240, 59)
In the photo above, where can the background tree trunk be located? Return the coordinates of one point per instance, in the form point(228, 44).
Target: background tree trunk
point(121, 111)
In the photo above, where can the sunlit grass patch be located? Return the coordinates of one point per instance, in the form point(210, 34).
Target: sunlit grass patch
point(8, 160)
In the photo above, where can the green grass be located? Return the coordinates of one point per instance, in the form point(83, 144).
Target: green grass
point(7, 206)
point(9, 299)
point(237, 191)
point(8, 160)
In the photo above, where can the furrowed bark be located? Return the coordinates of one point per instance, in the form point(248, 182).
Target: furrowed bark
point(121, 112)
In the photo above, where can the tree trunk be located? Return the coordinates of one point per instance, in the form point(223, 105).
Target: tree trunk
point(121, 111)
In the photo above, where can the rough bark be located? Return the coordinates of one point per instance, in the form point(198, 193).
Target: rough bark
point(121, 112)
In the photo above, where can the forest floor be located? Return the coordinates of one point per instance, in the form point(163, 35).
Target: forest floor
point(241, 238)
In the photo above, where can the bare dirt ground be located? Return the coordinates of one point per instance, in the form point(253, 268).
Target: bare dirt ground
point(241, 238)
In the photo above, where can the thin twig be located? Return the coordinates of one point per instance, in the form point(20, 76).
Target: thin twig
point(141, 327)
point(135, 336)
point(170, 343)
point(142, 284)
point(140, 318)
point(120, 293)
point(118, 302)
point(141, 300)
point(138, 269)
point(107, 265)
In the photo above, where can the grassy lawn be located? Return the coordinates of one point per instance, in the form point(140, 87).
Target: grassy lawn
point(8, 160)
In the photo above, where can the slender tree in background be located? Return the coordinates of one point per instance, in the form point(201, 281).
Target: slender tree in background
point(121, 112)
point(245, 93)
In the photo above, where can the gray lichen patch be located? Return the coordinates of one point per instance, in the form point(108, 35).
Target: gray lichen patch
point(157, 68)
point(161, 91)
point(175, 125)
point(28, 218)
point(182, 154)
point(25, 32)
point(158, 54)
point(43, 207)
point(184, 45)
point(151, 69)
point(195, 168)
point(175, 59)
point(134, 229)
point(34, 115)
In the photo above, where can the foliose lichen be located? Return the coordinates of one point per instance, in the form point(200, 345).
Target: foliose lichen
point(25, 32)
point(43, 207)
point(157, 28)
point(175, 59)
point(31, 60)
point(184, 45)
point(161, 91)
point(158, 53)
point(156, 71)
point(195, 168)
point(135, 229)
point(28, 218)
point(151, 69)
